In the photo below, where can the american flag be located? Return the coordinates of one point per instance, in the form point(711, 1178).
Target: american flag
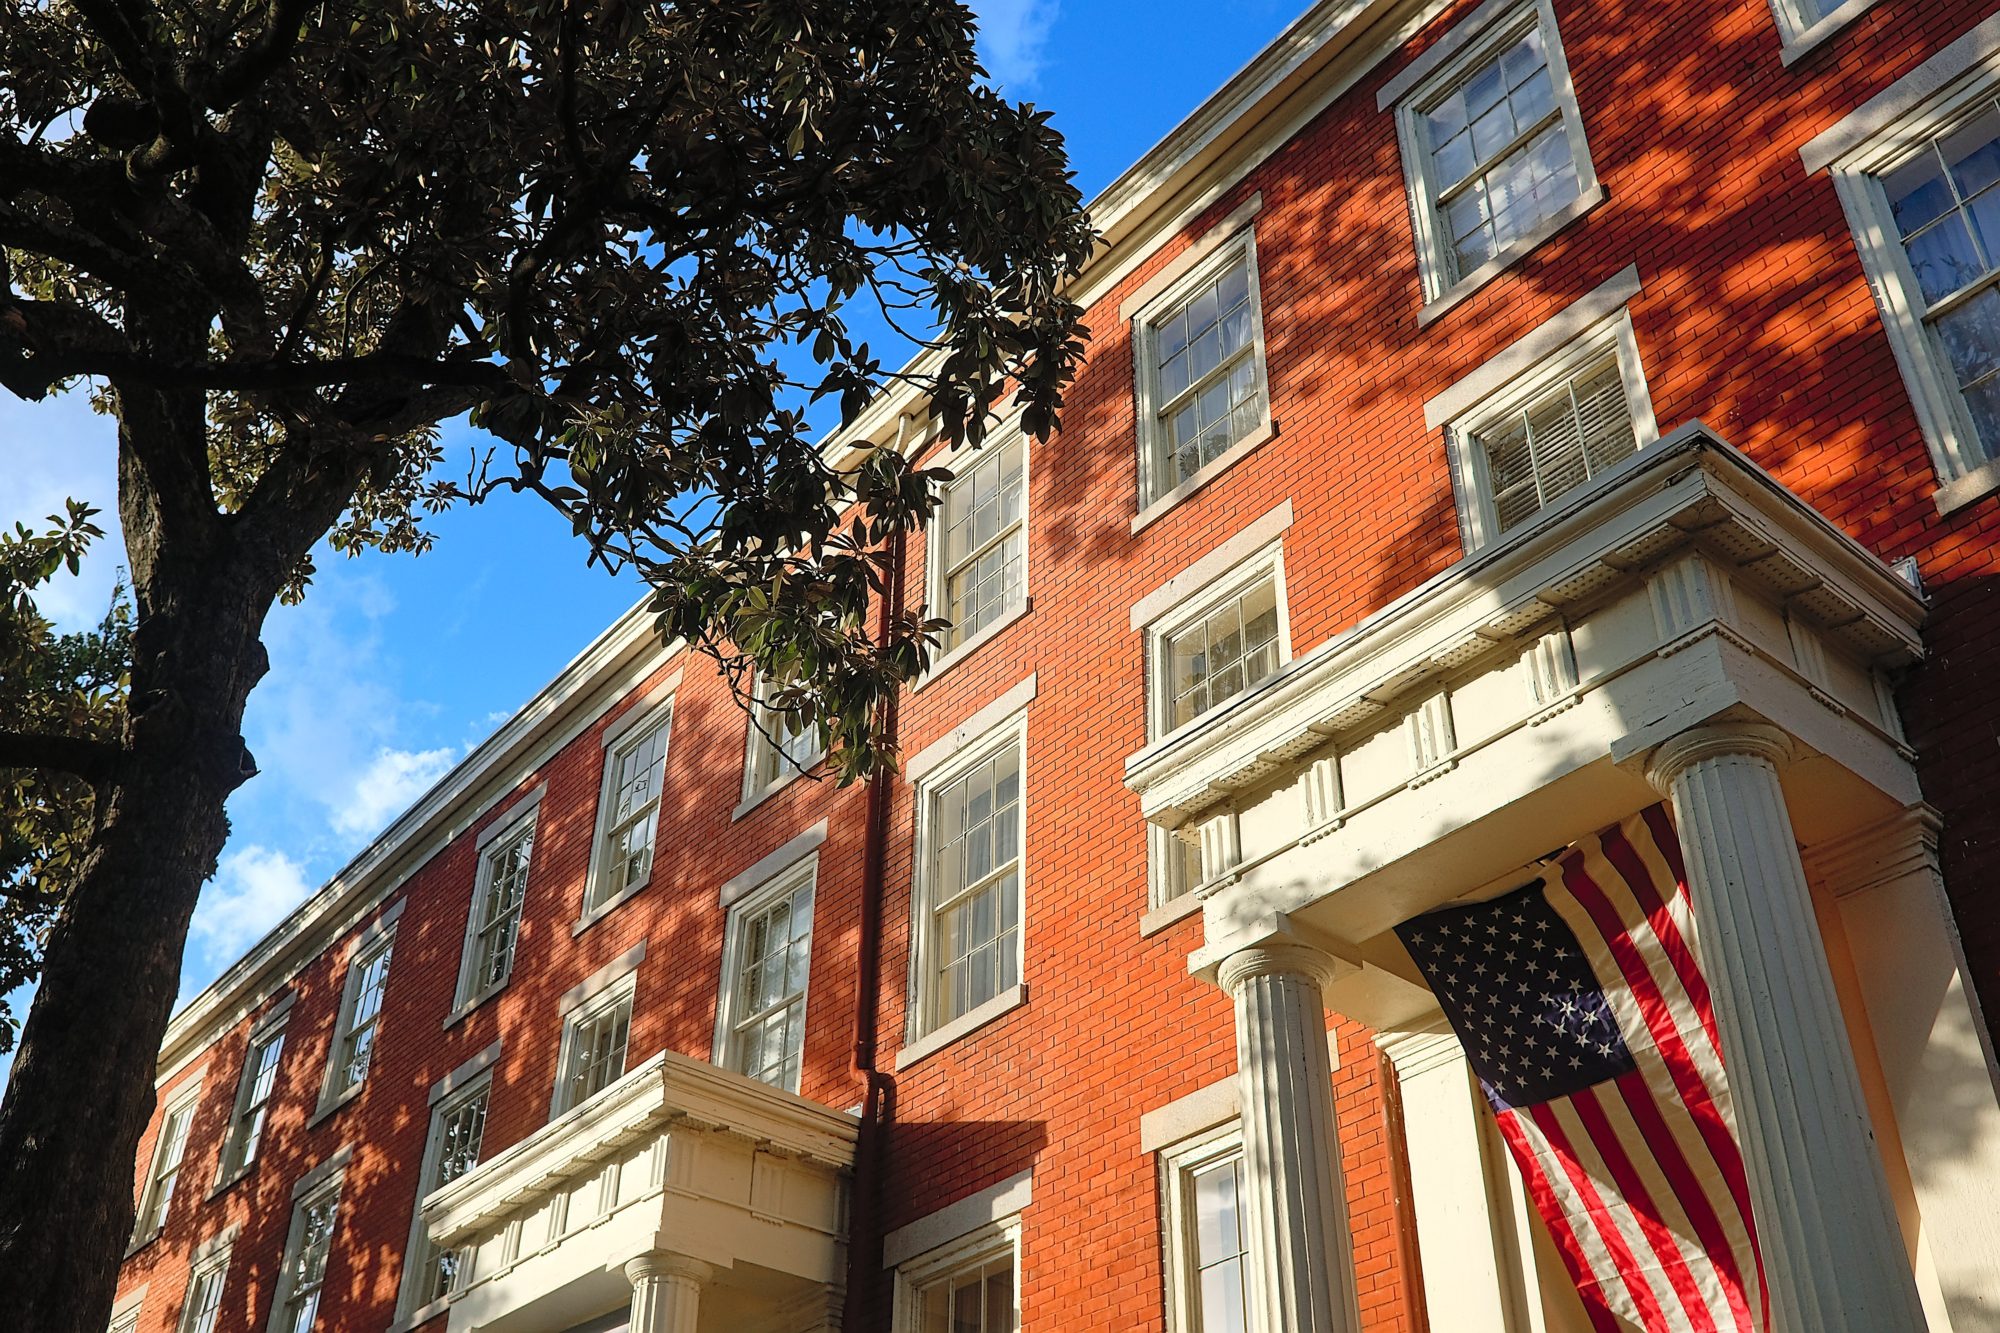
point(1580, 1001)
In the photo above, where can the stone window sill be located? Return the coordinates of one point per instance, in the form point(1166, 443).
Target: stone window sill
point(1169, 912)
point(964, 1025)
point(1809, 38)
point(1963, 490)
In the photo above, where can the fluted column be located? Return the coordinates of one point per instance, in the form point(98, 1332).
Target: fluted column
point(666, 1292)
point(1833, 1254)
point(1301, 1253)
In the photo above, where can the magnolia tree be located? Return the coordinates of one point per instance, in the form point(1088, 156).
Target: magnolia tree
point(283, 241)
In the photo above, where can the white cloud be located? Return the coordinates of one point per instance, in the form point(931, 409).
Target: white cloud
point(253, 889)
point(1013, 40)
point(391, 782)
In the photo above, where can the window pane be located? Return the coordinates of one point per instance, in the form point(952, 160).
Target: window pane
point(772, 967)
point(597, 1052)
point(1218, 330)
point(983, 543)
point(1558, 441)
point(1213, 1196)
point(976, 911)
point(1225, 653)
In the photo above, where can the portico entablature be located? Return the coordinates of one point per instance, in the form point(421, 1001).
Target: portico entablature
point(678, 1166)
point(1507, 705)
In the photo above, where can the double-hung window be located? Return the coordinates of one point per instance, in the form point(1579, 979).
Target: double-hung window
point(302, 1275)
point(764, 985)
point(593, 1047)
point(782, 744)
point(1921, 185)
point(499, 891)
point(1207, 1237)
point(969, 1286)
point(254, 1091)
point(208, 1273)
point(360, 1012)
point(1493, 145)
point(635, 764)
point(169, 1151)
point(1578, 412)
point(979, 573)
point(970, 914)
point(1220, 642)
point(1201, 379)
point(458, 1125)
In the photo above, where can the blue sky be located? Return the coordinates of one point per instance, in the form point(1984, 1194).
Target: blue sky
point(395, 666)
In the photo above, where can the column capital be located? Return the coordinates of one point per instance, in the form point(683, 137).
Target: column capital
point(1714, 741)
point(1279, 958)
point(664, 1263)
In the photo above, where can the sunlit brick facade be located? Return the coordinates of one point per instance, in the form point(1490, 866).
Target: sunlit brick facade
point(1271, 654)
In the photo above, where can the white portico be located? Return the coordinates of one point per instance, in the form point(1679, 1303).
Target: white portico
point(1684, 628)
point(692, 1199)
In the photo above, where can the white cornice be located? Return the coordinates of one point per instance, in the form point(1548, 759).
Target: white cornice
point(621, 655)
point(1162, 191)
point(668, 1092)
point(1691, 487)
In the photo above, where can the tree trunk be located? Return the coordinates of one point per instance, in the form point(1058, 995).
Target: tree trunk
point(82, 1087)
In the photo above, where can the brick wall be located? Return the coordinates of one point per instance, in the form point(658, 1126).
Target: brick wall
point(1755, 316)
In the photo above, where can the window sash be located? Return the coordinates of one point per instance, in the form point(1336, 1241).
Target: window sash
point(370, 975)
point(167, 1158)
point(310, 1247)
point(1251, 662)
point(636, 772)
point(1234, 422)
point(777, 749)
point(597, 1048)
point(503, 891)
point(976, 837)
point(260, 1082)
point(978, 1298)
point(1217, 1246)
point(997, 480)
point(784, 1009)
point(204, 1298)
point(458, 1129)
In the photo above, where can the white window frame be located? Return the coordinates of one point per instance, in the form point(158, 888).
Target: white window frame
point(963, 459)
point(1266, 563)
point(523, 819)
point(270, 1030)
point(378, 939)
point(1166, 885)
point(923, 1031)
point(1801, 30)
point(1159, 487)
point(323, 1183)
point(728, 1050)
point(639, 720)
point(181, 1108)
point(975, 1249)
point(1912, 115)
point(449, 1097)
point(1471, 478)
point(759, 745)
point(1478, 39)
point(596, 998)
point(209, 1258)
point(1178, 1164)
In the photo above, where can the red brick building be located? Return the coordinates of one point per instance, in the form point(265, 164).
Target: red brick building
point(1501, 418)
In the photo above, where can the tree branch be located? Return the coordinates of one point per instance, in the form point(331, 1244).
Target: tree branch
point(90, 760)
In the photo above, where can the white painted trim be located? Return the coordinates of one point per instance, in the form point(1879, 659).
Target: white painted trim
point(1444, 50)
point(1525, 354)
point(1476, 40)
point(327, 1170)
point(275, 1017)
point(1246, 544)
point(271, 1026)
point(1184, 1117)
point(219, 1243)
point(655, 710)
point(784, 879)
point(1471, 480)
point(1154, 457)
point(1198, 602)
point(602, 997)
point(963, 1026)
point(187, 1096)
point(765, 868)
point(971, 731)
point(1191, 258)
point(1800, 40)
point(513, 815)
point(1178, 1238)
point(1978, 51)
point(369, 945)
point(993, 1204)
point(465, 1073)
point(580, 694)
point(376, 931)
point(755, 744)
point(602, 979)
